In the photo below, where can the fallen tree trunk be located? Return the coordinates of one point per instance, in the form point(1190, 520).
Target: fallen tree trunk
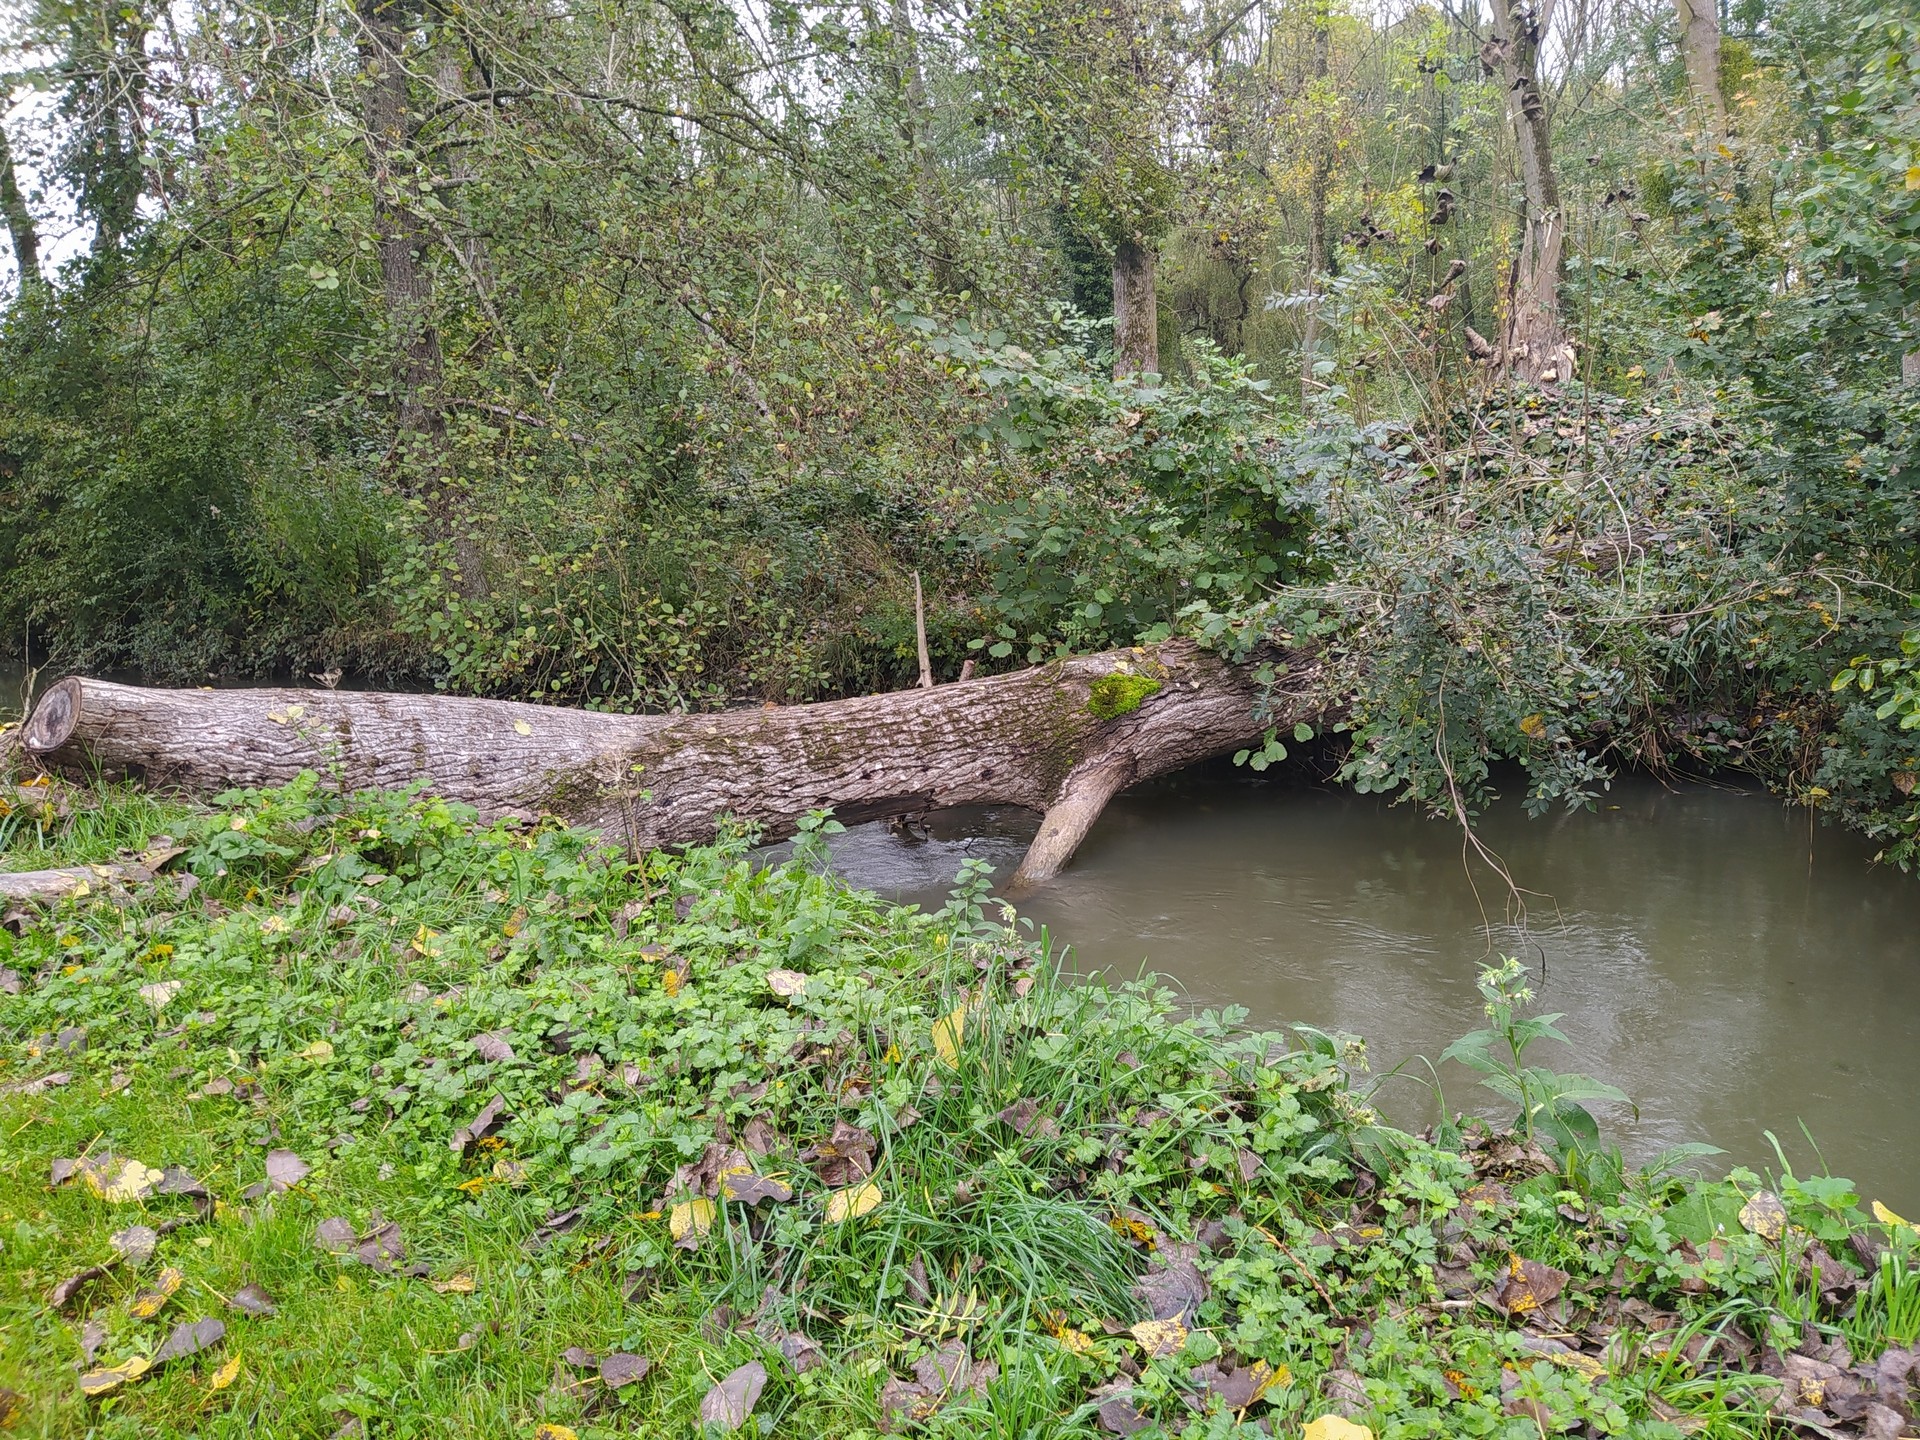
point(1060, 738)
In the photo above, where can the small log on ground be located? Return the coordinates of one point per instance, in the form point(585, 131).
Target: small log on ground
point(1035, 738)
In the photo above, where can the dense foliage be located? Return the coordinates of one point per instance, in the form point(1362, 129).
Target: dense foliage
point(393, 1124)
point(644, 360)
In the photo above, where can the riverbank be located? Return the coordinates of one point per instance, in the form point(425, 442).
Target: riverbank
point(364, 1119)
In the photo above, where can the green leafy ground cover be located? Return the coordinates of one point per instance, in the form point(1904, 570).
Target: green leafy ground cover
point(364, 1119)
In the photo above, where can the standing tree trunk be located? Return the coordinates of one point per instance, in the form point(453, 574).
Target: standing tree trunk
point(1537, 347)
point(401, 240)
point(1060, 738)
point(1318, 180)
point(1700, 44)
point(1136, 311)
point(20, 227)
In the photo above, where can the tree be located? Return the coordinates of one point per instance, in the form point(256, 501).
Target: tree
point(1700, 45)
point(1536, 345)
point(20, 227)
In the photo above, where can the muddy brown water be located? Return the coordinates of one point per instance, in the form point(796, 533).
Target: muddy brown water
point(1733, 970)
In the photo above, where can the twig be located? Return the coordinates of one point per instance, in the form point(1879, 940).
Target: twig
point(920, 634)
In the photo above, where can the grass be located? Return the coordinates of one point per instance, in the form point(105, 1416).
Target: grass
point(351, 979)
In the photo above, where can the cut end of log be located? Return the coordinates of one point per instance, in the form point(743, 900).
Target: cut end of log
point(52, 723)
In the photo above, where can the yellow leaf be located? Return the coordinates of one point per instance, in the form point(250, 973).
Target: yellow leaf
point(422, 942)
point(670, 981)
point(319, 1050)
point(1534, 726)
point(1913, 177)
point(127, 1180)
point(551, 1431)
point(1160, 1338)
point(520, 727)
point(514, 922)
point(1269, 1378)
point(948, 1032)
point(1765, 1216)
point(1887, 1217)
point(238, 822)
point(852, 1202)
point(1574, 1360)
point(13, 1405)
point(150, 1303)
point(226, 1374)
point(455, 1285)
point(103, 1382)
point(1335, 1427)
point(691, 1217)
point(786, 983)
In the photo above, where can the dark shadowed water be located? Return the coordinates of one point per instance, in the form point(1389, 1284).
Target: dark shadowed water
point(1727, 966)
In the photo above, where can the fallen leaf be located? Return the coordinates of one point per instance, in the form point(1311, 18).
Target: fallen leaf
point(948, 1033)
point(852, 1202)
point(135, 1243)
point(1528, 1284)
point(319, 1051)
point(1887, 1217)
point(1159, 1338)
point(382, 1248)
point(786, 983)
point(13, 1408)
point(729, 1403)
point(800, 1352)
point(1765, 1216)
point(689, 1220)
point(1118, 1415)
point(621, 1369)
point(225, 1375)
point(253, 1300)
point(63, 1293)
point(579, 1356)
point(93, 1335)
point(1335, 1427)
point(751, 1189)
point(478, 1128)
point(454, 1285)
point(335, 1236)
point(121, 1182)
point(96, 1383)
point(1024, 1117)
point(160, 992)
point(492, 1046)
point(521, 727)
point(149, 1303)
point(285, 1170)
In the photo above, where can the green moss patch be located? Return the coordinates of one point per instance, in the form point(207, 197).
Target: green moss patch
point(1115, 695)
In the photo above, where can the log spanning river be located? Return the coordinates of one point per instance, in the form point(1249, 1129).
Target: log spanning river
point(1730, 967)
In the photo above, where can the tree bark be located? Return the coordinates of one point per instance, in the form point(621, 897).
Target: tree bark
point(1029, 738)
point(1136, 311)
point(1318, 180)
point(20, 227)
point(1537, 349)
point(1700, 44)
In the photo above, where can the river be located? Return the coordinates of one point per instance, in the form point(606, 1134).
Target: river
point(1732, 968)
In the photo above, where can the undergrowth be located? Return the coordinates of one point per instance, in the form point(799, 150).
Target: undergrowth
point(440, 1120)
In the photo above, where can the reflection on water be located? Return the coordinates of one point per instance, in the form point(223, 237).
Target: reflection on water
point(1727, 966)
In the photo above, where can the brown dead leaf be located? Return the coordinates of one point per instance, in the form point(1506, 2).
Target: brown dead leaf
point(478, 1128)
point(491, 1046)
point(750, 1189)
point(621, 1369)
point(189, 1337)
point(800, 1352)
point(1118, 1415)
point(253, 1300)
point(383, 1247)
point(729, 1403)
point(285, 1170)
point(1023, 1117)
point(62, 1294)
point(96, 1383)
point(135, 1244)
point(335, 1236)
point(1529, 1284)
